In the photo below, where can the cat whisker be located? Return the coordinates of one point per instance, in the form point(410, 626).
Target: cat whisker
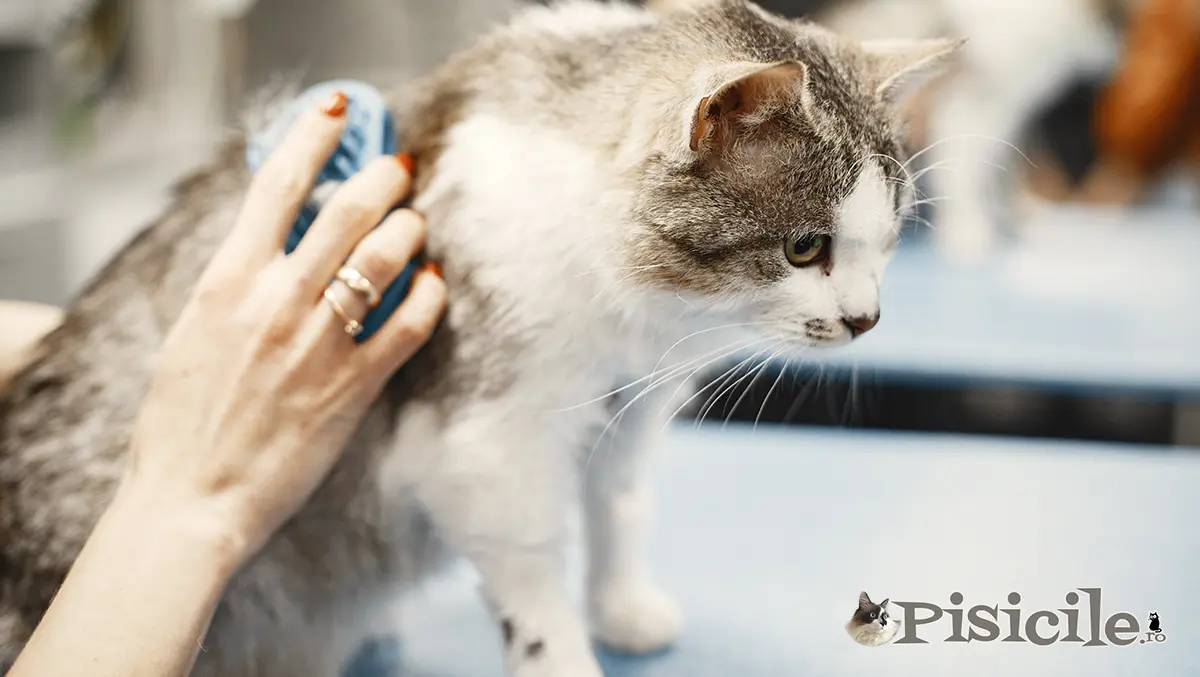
point(813, 384)
point(656, 370)
point(699, 391)
point(903, 166)
point(687, 379)
point(736, 325)
point(848, 404)
point(725, 383)
point(926, 201)
point(652, 375)
point(760, 369)
point(946, 165)
point(904, 184)
point(673, 372)
point(959, 137)
point(770, 391)
point(922, 220)
point(915, 156)
point(717, 384)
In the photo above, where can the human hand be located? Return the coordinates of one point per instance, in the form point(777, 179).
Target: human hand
point(258, 386)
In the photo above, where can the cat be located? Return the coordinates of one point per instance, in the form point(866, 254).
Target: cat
point(1155, 626)
point(1021, 56)
point(617, 196)
point(871, 625)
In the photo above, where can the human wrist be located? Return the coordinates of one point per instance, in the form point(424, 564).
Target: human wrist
point(204, 529)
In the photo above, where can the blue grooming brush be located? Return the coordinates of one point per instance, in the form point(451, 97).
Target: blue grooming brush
point(369, 134)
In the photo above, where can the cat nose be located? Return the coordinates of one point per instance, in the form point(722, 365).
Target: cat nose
point(860, 325)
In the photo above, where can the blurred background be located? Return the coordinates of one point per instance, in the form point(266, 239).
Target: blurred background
point(1047, 286)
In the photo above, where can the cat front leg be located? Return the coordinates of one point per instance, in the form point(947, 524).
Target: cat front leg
point(499, 492)
point(628, 612)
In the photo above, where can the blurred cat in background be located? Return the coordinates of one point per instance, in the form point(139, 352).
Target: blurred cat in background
point(1020, 56)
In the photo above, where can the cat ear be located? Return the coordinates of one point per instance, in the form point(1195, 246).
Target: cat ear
point(744, 101)
point(898, 68)
point(884, 602)
point(864, 601)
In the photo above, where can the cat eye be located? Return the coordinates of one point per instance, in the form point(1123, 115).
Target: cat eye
point(807, 250)
point(874, 615)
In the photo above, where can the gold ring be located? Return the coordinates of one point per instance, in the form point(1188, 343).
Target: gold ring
point(359, 283)
point(353, 327)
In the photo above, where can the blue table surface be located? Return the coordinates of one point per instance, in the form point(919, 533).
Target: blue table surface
point(767, 536)
point(1085, 298)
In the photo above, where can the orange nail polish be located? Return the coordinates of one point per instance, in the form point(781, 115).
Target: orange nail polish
point(336, 107)
point(432, 267)
point(406, 160)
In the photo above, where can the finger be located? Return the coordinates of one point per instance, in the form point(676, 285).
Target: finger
point(351, 213)
point(280, 187)
point(378, 258)
point(410, 326)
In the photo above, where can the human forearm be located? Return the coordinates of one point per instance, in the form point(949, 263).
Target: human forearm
point(139, 598)
point(257, 389)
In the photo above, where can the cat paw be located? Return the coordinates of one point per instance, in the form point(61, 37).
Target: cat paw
point(635, 618)
point(548, 647)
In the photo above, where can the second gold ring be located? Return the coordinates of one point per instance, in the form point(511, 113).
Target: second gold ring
point(352, 326)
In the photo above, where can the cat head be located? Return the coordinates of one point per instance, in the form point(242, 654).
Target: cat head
point(870, 615)
point(1154, 615)
point(776, 193)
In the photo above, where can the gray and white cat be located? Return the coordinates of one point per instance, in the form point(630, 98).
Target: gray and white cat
point(872, 624)
point(617, 198)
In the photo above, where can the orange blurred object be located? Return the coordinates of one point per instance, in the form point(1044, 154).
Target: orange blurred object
point(1148, 118)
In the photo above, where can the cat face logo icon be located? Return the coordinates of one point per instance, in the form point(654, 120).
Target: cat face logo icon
point(871, 624)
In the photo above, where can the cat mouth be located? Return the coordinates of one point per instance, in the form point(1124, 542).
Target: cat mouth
point(810, 333)
point(826, 339)
point(820, 332)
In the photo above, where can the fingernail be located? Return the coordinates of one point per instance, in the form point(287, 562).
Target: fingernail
point(406, 161)
point(432, 267)
point(336, 107)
